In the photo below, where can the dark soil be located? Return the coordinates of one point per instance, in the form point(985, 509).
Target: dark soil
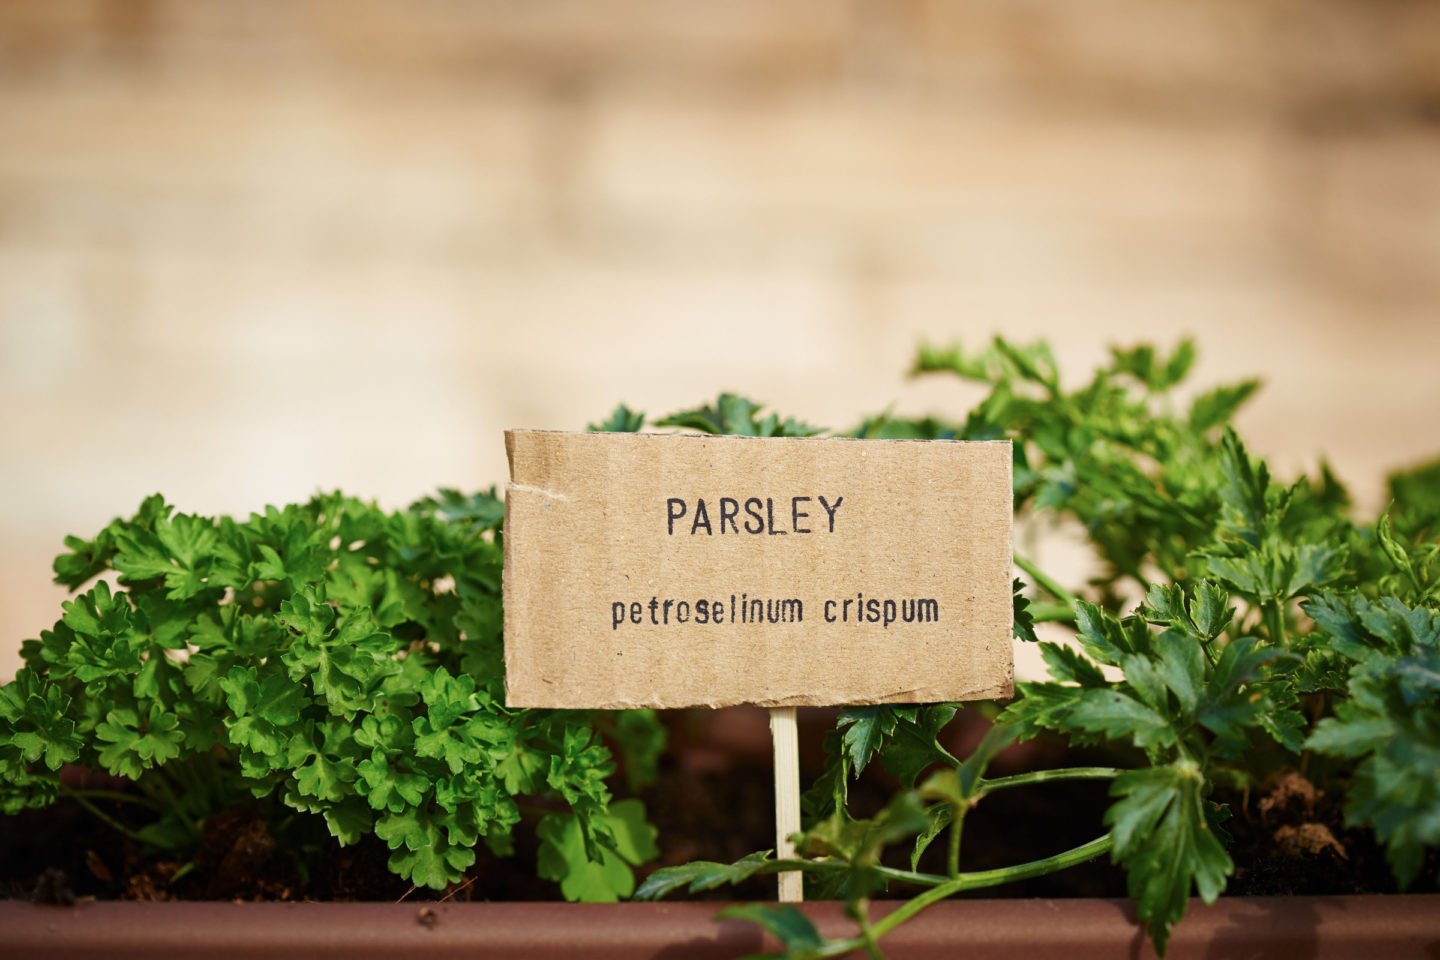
point(713, 801)
point(1292, 839)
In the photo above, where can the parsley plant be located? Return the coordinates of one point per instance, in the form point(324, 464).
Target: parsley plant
point(1239, 626)
point(327, 658)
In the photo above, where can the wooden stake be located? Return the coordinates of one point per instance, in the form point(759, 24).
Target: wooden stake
point(787, 797)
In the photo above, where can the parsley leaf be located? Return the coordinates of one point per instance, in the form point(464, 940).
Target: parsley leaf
point(1165, 841)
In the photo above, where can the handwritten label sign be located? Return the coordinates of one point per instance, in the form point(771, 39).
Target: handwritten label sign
point(669, 570)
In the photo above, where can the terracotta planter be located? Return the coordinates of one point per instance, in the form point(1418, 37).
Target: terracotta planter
point(1322, 928)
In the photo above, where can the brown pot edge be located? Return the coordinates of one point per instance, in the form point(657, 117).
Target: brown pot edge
point(1367, 927)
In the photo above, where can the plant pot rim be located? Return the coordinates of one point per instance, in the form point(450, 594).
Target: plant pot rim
point(1255, 927)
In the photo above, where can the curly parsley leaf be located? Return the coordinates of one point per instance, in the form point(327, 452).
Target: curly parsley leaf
point(34, 724)
point(136, 742)
point(429, 848)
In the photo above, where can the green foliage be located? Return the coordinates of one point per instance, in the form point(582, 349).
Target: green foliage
point(842, 856)
point(345, 662)
point(731, 414)
point(1229, 611)
point(330, 658)
point(698, 876)
point(338, 660)
point(1390, 722)
point(1024, 618)
point(596, 871)
point(1415, 495)
point(621, 420)
point(1210, 690)
point(1165, 840)
point(38, 728)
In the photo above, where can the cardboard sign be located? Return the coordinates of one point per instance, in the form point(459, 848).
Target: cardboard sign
point(668, 570)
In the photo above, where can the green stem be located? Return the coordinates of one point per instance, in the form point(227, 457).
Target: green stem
point(867, 934)
point(957, 826)
point(119, 796)
point(991, 878)
point(1275, 622)
point(106, 819)
point(184, 775)
point(159, 788)
point(1045, 776)
point(1044, 581)
point(966, 881)
point(1052, 613)
point(889, 873)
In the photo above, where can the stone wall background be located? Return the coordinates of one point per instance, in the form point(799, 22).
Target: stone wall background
point(249, 250)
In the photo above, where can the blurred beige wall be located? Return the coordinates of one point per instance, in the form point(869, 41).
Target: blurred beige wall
point(249, 250)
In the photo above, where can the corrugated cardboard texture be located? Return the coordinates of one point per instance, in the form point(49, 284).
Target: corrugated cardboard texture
point(621, 591)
